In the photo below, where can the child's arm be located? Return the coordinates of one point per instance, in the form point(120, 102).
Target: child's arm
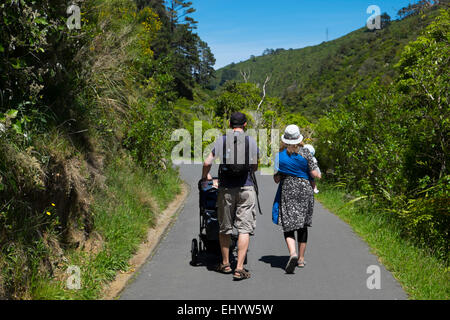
point(277, 178)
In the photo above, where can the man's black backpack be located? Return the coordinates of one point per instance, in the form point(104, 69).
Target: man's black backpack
point(236, 169)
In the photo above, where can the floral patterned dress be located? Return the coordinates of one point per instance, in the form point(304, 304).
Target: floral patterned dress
point(297, 199)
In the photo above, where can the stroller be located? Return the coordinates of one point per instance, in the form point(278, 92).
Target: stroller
point(208, 239)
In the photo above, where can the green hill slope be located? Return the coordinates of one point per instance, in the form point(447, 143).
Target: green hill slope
point(312, 80)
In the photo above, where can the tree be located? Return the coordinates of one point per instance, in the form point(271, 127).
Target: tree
point(424, 80)
point(416, 8)
point(227, 74)
point(246, 75)
point(178, 9)
point(385, 20)
point(204, 70)
point(236, 97)
point(141, 4)
point(268, 52)
point(182, 53)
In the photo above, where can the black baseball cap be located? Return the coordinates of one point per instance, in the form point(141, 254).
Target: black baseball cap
point(238, 119)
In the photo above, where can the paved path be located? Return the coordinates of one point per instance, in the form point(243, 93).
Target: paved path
point(337, 260)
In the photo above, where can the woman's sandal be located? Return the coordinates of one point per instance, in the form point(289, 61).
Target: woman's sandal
point(301, 264)
point(290, 267)
point(242, 274)
point(224, 268)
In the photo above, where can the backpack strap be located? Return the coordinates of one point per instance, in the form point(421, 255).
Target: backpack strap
point(247, 150)
point(255, 184)
point(224, 154)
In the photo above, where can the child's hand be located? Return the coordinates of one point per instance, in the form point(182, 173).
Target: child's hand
point(204, 184)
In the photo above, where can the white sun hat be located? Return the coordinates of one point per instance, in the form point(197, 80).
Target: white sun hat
point(311, 149)
point(292, 135)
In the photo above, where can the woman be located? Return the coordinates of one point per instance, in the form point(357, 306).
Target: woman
point(295, 167)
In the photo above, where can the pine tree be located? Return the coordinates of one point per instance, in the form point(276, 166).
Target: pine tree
point(181, 9)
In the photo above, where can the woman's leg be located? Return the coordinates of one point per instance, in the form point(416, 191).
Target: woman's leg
point(293, 259)
point(290, 242)
point(301, 250)
point(302, 240)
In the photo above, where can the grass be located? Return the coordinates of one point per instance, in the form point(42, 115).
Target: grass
point(422, 275)
point(123, 212)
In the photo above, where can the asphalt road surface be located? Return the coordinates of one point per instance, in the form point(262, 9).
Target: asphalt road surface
point(337, 260)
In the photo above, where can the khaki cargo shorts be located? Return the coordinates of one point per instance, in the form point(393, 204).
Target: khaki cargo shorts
point(237, 208)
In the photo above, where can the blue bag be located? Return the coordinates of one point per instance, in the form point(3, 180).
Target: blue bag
point(276, 205)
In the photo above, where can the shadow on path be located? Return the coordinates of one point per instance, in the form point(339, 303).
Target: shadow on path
point(275, 261)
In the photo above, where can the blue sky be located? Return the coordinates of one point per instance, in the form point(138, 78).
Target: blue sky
point(237, 29)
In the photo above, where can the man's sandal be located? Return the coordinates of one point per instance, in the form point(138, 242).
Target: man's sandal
point(224, 268)
point(241, 274)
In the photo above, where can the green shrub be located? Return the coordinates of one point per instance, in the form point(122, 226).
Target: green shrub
point(148, 136)
point(391, 142)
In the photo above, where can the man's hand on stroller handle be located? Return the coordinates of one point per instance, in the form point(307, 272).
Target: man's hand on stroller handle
point(206, 176)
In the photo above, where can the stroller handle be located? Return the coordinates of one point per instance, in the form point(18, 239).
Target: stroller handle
point(210, 183)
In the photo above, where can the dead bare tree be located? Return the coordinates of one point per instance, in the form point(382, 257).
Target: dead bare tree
point(264, 92)
point(245, 75)
point(257, 114)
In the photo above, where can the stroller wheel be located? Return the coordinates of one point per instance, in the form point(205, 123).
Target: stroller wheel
point(194, 252)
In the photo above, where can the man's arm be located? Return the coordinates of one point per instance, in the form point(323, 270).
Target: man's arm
point(207, 166)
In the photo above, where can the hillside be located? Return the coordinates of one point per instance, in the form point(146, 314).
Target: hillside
point(312, 80)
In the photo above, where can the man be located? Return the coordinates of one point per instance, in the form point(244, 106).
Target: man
point(237, 197)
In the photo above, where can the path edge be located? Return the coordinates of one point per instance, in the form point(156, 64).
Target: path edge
point(146, 250)
point(372, 250)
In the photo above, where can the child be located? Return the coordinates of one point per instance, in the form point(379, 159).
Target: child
point(313, 152)
point(207, 183)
